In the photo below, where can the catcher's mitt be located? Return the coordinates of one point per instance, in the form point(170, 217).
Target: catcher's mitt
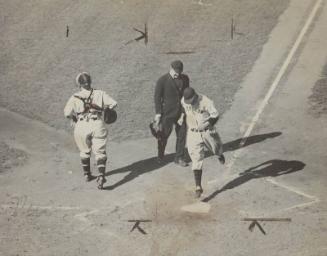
point(109, 116)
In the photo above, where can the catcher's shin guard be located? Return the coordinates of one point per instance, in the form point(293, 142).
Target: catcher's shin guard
point(197, 179)
point(86, 169)
point(101, 163)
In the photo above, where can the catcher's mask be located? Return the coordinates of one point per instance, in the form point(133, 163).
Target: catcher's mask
point(83, 80)
point(156, 129)
point(109, 116)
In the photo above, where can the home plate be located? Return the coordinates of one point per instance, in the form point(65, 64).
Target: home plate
point(199, 207)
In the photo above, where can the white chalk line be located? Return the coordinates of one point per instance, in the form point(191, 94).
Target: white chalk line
point(82, 216)
point(290, 188)
point(296, 191)
point(85, 211)
point(273, 86)
point(38, 207)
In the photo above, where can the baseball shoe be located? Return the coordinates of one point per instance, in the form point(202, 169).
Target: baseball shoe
point(101, 180)
point(198, 192)
point(181, 162)
point(221, 159)
point(88, 177)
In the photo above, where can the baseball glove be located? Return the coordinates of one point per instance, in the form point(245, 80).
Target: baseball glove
point(109, 116)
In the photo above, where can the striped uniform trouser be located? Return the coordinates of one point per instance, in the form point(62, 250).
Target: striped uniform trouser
point(198, 141)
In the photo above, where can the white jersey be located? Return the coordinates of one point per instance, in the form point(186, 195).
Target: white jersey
point(202, 110)
point(99, 99)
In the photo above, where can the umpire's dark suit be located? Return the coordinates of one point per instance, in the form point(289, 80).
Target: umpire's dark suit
point(167, 98)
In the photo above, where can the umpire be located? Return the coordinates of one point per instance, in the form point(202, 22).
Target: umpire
point(167, 98)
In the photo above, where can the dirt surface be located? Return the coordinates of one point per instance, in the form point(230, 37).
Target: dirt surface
point(46, 208)
point(39, 63)
point(318, 98)
point(11, 157)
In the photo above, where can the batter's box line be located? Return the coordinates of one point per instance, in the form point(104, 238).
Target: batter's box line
point(38, 207)
point(296, 191)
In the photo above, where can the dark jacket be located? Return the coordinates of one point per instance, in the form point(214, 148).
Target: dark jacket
point(168, 94)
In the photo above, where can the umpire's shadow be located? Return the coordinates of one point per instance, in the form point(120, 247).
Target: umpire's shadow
point(138, 168)
point(272, 168)
point(148, 165)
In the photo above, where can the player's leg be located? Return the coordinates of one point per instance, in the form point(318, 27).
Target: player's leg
point(99, 143)
point(83, 142)
point(213, 142)
point(195, 149)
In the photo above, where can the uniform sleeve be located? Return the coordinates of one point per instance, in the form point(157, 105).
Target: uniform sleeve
point(213, 112)
point(183, 106)
point(158, 94)
point(108, 101)
point(69, 108)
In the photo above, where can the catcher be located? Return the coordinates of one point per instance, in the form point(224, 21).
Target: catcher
point(88, 109)
point(201, 116)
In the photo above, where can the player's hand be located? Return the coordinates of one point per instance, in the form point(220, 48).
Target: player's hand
point(72, 124)
point(204, 125)
point(180, 120)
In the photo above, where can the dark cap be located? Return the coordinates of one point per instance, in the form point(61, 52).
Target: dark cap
point(189, 95)
point(177, 65)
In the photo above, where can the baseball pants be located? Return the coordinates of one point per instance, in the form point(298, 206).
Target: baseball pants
point(90, 136)
point(198, 141)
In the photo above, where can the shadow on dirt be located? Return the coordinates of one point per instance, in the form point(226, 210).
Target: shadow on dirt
point(138, 168)
point(272, 168)
point(148, 165)
point(236, 144)
point(243, 142)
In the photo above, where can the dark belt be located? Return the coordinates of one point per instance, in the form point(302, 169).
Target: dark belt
point(91, 118)
point(197, 130)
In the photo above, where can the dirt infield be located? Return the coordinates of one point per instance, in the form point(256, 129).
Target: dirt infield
point(275, 171)
point(39, 63)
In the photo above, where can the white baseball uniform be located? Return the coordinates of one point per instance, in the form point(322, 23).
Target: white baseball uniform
point(196, 139)
point(90, 132)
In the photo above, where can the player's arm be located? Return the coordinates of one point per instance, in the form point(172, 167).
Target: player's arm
point(108, 102)
point(213, 112)
point(69, 108)
point(182, 116)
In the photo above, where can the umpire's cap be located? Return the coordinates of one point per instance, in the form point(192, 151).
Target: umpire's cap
point(83, 80)
point(189, 95)
point(177, 65)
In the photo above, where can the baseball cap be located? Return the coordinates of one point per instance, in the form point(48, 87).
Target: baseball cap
point(189, 95)
point(177, 65)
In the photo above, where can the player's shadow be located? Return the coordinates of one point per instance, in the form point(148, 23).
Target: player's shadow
point(237, 144)
point(148, 165)
point(270, 168)
point(244, 142)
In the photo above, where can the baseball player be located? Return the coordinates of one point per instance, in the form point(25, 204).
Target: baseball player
point(201, 116)
point(85, 109)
